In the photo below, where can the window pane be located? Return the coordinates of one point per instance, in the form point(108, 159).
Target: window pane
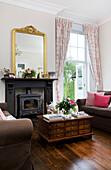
point(80, 70)
point(73, 39)
point(81, 40)
point(68, 56)
point(73, 53)
point(69, 42)
point(69, 77)
point(81, 56)
point(80, 77)
point(80, 84)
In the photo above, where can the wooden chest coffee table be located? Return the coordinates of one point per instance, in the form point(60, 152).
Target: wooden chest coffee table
point(56, 130)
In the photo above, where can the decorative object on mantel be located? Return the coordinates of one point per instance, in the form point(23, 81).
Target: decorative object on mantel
point(11, 75)
point(29, 73)
point(46, 76)
point(5, 72)
point(39, 72)
point(66, 105)
point(52, 74)
point(20, 74)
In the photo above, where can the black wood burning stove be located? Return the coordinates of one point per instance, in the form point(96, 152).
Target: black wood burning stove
point(12, 84)
point(29, 104)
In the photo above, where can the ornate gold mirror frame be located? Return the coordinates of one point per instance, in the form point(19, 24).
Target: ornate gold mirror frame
point(28, 30)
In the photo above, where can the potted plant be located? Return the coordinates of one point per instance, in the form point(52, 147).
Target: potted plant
point(66, 105)
point(29, 73)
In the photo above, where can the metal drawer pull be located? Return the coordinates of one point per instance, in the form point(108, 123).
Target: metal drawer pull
point(57, 124)
point(72, 128)
point(57, 129)
point(72, 123)
point(57, 135)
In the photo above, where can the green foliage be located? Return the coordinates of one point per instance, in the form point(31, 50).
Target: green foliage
point(69, 85)
point(29, 73)
point(66, 104)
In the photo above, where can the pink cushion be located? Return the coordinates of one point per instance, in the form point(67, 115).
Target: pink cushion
point(2, 117)
point(101, 101)
point(90, 99)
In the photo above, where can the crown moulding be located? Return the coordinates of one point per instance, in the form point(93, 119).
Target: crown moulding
point(60, 11)
point(77, 18)
point(36, 5)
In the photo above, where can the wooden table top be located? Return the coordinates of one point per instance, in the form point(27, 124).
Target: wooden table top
point(63, 120)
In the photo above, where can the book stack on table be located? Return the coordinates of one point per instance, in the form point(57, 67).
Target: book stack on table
point(53, 116)
point(80, 114)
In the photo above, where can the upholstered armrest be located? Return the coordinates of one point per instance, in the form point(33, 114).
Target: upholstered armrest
point(80, 102)
point(3, 106)
point(15, 131)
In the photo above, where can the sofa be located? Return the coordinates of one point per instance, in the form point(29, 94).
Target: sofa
point(15, 142)
point(102, 116)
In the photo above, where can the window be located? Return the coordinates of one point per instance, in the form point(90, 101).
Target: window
point(75, 67)
point(76, 47)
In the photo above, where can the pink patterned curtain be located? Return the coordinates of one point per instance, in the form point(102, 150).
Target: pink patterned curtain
point(91, 33)
point(63, 28)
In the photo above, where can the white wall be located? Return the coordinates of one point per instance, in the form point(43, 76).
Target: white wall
point(105, 53)
point(16, 17)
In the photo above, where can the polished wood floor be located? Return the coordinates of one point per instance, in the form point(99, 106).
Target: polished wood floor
point(77, 154)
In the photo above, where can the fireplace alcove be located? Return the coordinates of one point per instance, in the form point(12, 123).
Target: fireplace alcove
point(12, 84)
point(30, 104)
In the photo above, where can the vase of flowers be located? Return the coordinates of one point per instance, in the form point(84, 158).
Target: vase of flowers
point(66, 105)
point(29, 73)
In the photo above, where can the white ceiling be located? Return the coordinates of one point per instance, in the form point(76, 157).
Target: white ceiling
point(93, 11)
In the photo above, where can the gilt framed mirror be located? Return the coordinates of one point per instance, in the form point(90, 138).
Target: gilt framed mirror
point(29, 50)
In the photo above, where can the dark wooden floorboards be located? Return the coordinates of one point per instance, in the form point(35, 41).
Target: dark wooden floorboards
point(77, 154)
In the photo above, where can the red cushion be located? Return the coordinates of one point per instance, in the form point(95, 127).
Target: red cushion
point(101, 101)
point(91, 97)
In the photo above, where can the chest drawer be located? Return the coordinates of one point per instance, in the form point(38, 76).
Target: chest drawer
point(58, 130)
point(57, 125)
point(84, 121)
point(71, 123)
point(84, 131)
point(57, 135)
point(71, 128)
point(86, 126)
point(71, 133)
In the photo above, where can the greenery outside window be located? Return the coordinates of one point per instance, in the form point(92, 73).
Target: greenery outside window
point(75, 67)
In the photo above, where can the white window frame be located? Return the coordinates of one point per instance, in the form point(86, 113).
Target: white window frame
point(83, 62)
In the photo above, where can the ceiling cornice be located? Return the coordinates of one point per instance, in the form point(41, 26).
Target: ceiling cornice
point(57, 10)
point(102, 20)
point(77, 18)
point(36, 5)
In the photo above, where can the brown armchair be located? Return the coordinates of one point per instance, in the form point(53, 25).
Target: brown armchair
point(15, 141)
